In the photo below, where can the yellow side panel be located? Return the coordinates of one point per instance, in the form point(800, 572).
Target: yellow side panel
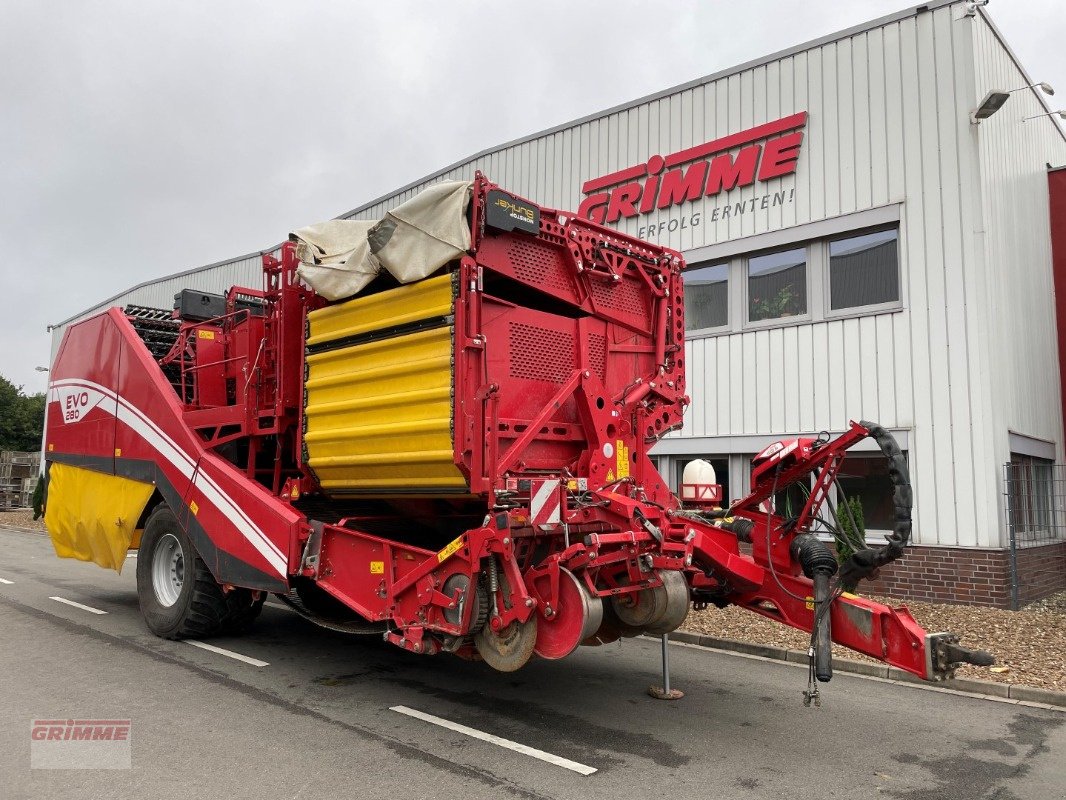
point(432, 297)
point(91, 516)
point(379, 414)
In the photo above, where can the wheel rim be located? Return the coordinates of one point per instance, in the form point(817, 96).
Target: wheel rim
point(168, 570)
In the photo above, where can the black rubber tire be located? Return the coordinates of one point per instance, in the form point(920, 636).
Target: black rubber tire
point(202, 609)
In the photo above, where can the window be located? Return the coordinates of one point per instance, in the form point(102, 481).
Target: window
point(847, 272)
point(866, 477)
point(1030, 483)
point(777, 285)
point(706, 297)
point(791, 500)
point(864, 270)
point(721, 474)
point(863, 476)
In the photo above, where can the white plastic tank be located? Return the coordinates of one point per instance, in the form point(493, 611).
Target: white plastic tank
point(699, 484)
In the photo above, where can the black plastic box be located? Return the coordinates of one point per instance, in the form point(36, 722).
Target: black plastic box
point(253, 305)
point(199, 306)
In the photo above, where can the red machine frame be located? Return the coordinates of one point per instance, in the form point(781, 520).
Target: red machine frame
point(558, 466)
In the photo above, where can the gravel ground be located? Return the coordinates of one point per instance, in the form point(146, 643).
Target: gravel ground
point(1030, 644)
point(22, 518)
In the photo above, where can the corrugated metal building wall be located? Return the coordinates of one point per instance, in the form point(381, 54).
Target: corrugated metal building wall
point(1014, 231)
point(241, 271)
point(888, 140)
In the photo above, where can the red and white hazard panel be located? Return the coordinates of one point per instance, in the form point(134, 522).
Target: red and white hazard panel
point(545, 504)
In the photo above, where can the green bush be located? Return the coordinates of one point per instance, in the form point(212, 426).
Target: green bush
point(850, 534)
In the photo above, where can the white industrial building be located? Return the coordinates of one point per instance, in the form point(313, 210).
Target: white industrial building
point(858, 248)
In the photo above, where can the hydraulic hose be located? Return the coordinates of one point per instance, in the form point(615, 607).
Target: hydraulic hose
point(863, 562)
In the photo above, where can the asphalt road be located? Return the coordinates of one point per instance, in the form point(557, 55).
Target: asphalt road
point(317, 720)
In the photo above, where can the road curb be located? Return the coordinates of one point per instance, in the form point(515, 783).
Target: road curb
point(1011, 691)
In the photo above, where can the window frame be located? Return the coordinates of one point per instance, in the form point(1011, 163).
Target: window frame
point(819, 288)
point(871, 308)
point(774, 322)
point(1033, 491)
point(873, 536)
point(729, 278)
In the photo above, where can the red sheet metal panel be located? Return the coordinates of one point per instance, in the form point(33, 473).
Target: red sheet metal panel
point(1057, 191)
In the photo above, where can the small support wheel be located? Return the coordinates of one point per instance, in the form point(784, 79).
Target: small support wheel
point(510, 648)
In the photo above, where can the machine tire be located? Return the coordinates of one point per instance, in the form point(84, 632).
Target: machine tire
point(197, 607)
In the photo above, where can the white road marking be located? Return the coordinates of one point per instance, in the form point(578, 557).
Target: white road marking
point(255, 662)
point(558, 761)
point(6, 581)
point(282, 606)
point(90, 609)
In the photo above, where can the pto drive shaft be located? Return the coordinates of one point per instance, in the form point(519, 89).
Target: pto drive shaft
point(818, 564)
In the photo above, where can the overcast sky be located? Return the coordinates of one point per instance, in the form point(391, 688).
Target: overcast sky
point(138, 139)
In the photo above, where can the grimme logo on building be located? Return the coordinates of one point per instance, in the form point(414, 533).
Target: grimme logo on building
point(701, 171)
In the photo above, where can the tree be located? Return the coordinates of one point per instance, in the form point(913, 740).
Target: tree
point(21, 418)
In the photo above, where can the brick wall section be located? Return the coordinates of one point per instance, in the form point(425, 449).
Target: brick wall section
point(947, 575)
point(1042, 571)
point(971, 576)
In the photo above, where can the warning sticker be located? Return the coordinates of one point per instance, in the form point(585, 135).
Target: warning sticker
point(622, 459)
point(377, 567)
point(449, 549)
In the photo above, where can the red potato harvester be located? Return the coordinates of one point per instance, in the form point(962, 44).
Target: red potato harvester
point(436, 429)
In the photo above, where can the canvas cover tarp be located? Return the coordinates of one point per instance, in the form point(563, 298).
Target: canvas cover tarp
point(340, 257)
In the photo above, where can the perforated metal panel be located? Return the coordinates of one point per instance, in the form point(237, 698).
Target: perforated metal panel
point(597, 353)
point(624, 296)
point(540, 354)
point(540, 265)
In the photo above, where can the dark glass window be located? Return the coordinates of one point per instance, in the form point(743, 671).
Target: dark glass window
point(866, 477)
point(864, 270)
point(777, 285)
point(791, 500)
point(706, 300)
